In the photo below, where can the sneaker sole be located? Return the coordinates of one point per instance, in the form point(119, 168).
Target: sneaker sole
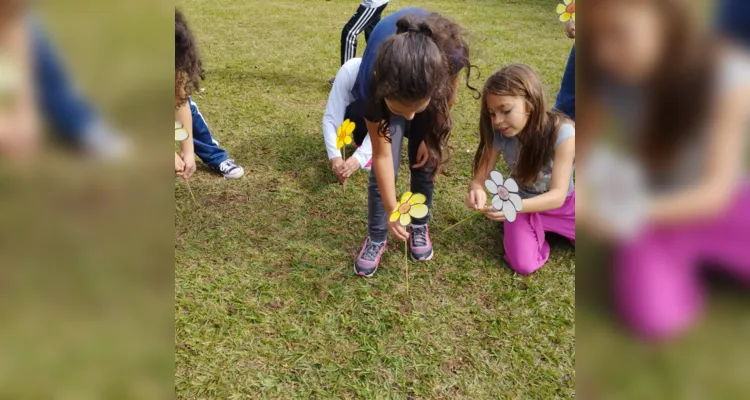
point(234, 175)
point(363, 274)
point(428, 258)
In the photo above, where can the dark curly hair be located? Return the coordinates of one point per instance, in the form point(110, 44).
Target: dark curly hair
point(415, 64)
point(188, 68)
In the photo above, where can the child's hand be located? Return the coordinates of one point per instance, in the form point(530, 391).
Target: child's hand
point(350, 166)
point(493, 215)
point(423, 155)
point(570, 29)
point(179, 165)
point(477, 197)
point(336, 166)
point(398, 231)
point(189, 159)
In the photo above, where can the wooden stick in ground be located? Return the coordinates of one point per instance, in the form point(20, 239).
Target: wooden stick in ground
point(406, 262)
point(474, 214)
point(191, 192)
point(343, 149)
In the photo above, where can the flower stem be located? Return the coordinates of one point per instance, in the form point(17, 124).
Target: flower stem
point(474, 214)
point(191, 192)
point(406, 263)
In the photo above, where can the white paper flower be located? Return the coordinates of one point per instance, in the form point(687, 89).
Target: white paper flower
point(10, 76)
point(506, 198)
point(180, 133)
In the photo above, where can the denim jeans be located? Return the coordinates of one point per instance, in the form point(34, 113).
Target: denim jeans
point(421, 179)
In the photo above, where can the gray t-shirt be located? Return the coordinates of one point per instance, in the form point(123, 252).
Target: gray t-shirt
point(629, 111)
point(510, 148)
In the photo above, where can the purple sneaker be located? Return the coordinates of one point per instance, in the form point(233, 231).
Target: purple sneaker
point(369, 257)
point(419, 243)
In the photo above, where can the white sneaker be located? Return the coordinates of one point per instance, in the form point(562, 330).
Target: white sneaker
point(230, 170)
point(105, 143)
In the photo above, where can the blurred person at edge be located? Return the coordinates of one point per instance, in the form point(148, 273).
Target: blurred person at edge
point(668, 189)
point(34, 85)
point(19, 124)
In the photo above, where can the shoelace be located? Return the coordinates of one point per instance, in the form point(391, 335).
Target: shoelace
point(227, 166)
point(372, 250)
point(419, 236)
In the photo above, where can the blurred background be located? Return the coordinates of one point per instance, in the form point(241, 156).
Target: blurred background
point(663, 256)
point(86, 200)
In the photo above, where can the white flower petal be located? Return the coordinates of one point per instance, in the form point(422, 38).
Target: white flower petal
point(491, 186)
point(497, 177)
point(509, 211)
point(516, 201)
point(511, 185)
point(497, 202)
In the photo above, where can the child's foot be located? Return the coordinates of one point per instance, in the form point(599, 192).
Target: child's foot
point(369, 257)
point(104, 142)
point(419, 243)
point(230, 170)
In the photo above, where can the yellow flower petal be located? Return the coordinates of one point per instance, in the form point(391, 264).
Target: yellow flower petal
point(573, 17)
point(395, 215)
point(405, 220)
point(567, 2)
point(565, 17)
point(405, 197)
point(561, 8)
point(419, 211)
point(349, 128)
point(348, 139)
point(177, 125)
point(340, 143)
point(417, 198)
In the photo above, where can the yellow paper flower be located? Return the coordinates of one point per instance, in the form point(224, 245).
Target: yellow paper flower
point(180, 133)
point(567, 10)
point(345, 133)
point(411, 206)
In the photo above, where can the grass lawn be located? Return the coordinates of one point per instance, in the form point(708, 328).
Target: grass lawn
point(267, 305)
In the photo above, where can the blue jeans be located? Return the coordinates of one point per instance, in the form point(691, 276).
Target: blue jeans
point(421, 178)
point(60, 104)
point(566, 98)
point(734, 20)
point(206, 147)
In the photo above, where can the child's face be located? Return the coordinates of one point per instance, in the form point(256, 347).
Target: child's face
point(627, 40)
point(406, 109)
point(509, 114)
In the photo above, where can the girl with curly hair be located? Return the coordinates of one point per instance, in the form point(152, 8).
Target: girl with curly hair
point(407, 83)
point(188, 74)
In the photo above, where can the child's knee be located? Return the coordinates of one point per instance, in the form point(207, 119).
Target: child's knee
point(657, 323)
point(524, 262)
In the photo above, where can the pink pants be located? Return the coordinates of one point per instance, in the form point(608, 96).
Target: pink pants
point(658, 289)
point(526, 250)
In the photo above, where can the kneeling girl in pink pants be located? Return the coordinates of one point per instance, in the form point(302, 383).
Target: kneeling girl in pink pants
point(539, 149)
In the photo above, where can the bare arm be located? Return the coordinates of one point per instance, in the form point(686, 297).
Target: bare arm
point(454, 93)
point(714, 191)
point(476, 199)
point(19, 120)
point(184, 115)
point(559, 185)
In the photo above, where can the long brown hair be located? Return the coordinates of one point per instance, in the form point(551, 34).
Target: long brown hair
point(188, 68)
point(677, 95)
point(415, 64)
point(537, 139)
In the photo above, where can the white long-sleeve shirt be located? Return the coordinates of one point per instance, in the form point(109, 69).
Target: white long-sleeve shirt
point(373, 3)
point(340, 97)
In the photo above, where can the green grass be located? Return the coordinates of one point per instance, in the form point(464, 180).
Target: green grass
point(266, 302)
